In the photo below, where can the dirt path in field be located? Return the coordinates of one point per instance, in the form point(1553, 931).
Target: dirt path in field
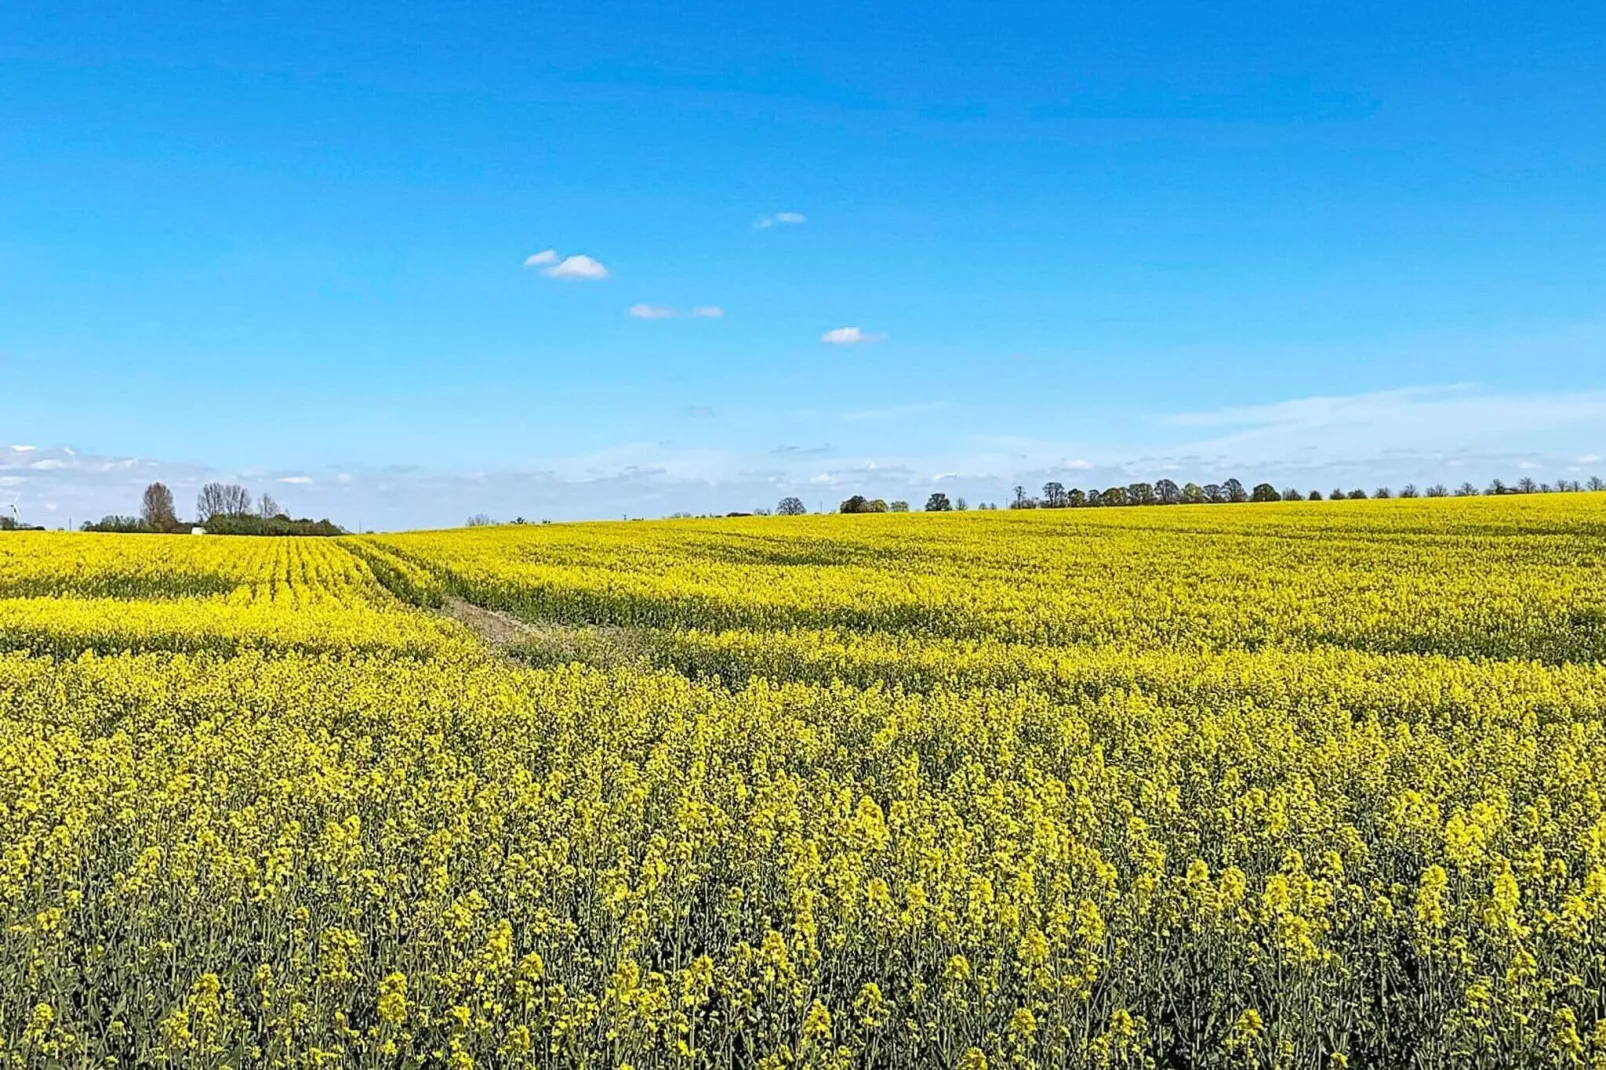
point(548, 642)
point(497, 629)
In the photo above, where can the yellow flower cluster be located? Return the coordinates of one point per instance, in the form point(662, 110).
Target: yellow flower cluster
point(1294, 785)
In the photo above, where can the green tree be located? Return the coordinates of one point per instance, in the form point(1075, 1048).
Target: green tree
point(1265, 492)
point(938, 503)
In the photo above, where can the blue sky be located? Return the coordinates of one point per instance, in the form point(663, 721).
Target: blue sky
point(288, 243)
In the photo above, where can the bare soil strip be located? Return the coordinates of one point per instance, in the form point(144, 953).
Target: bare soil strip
point(548, 643)
point(497, 629)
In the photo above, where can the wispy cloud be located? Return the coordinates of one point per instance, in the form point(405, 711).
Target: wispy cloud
point(645, 311)
point(847, 336)
point(1421, 435)
point(897, 412)
point(1426, 418)
point(541, 259)
point(785, 219)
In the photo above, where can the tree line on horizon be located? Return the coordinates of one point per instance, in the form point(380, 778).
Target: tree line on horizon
point(1167, 492)
point(220, 509)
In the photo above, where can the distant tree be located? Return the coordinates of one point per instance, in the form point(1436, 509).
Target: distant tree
point(1596, 483)
point(1408, 491)
point(1315, 495)
point(1213, 493)
point(938, 503)
point(1265, 492)
point(1140, 494)
point(855, 504)
point(1357, 494)
point(876, 505)
point(1020, 497)
point(1166, 492)
point(1234, 491)
point(1338, 495)
point(1075, 499)
point(1292, 494)
point(1438, 490)
point(1467, 490)
point(1192, 494)
point(267, 508)
point(1498, 487)
point(222, 499)
point(1095, 498)
point(1526, 485)
point(478, 520)
point(113, 523)
point(1054, 495)
point(156, 508)
point(1116, 496)
point(899, 506)
point(791, 506)
point(1382, 492)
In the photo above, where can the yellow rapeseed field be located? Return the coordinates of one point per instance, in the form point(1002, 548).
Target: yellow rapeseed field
point(1293, 785)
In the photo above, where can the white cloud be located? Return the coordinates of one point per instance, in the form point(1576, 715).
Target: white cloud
point(1589, 458)
point(847, 336)
point(578, 266)
point(298, 480)
point(22, 449)
point(708, 312)
point(781, 218)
